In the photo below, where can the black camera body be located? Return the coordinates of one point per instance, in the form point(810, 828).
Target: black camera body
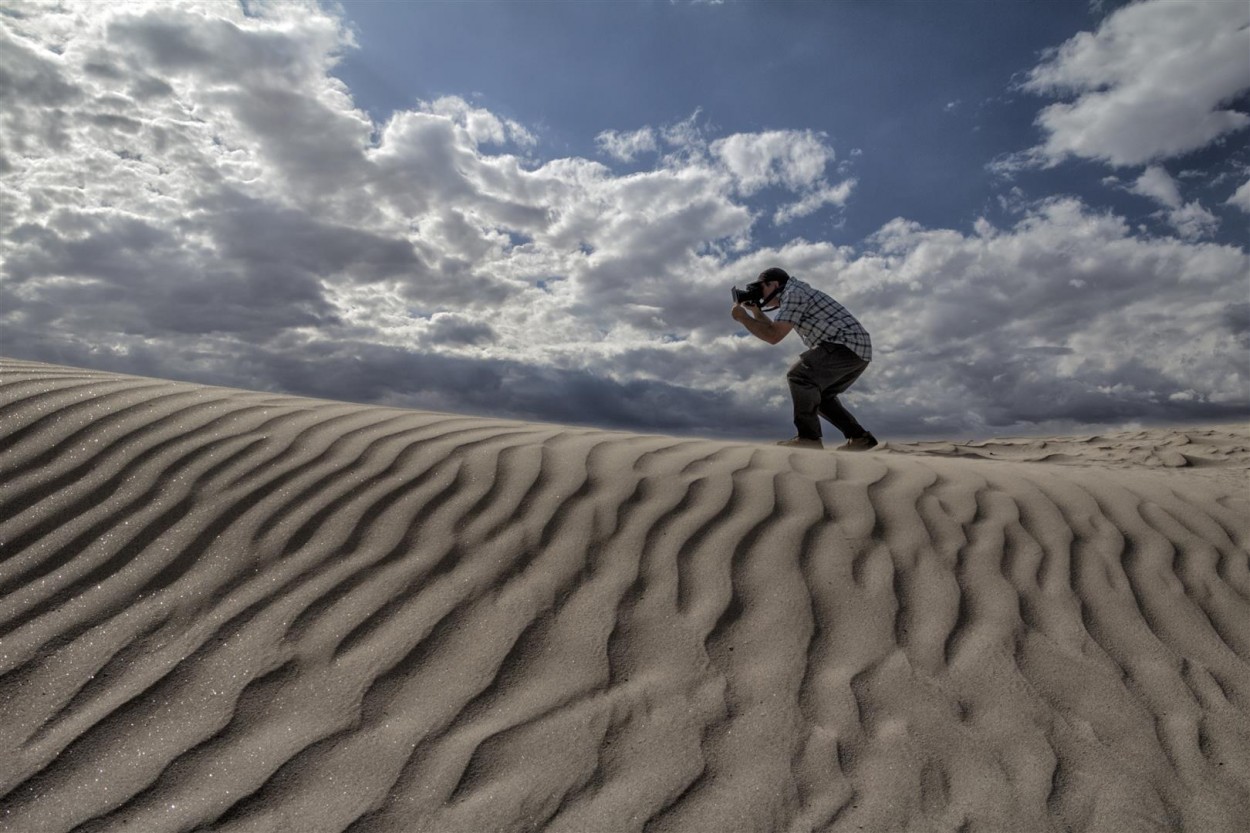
point(752, 295)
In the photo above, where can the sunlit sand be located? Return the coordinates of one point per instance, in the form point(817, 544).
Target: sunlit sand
point(242, 611)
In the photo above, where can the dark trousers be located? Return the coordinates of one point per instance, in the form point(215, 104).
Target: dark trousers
point(815, 380)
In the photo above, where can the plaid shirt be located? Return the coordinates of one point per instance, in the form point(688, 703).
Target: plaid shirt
point(819, 319)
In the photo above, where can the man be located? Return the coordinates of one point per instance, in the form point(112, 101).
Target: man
point(838, 352)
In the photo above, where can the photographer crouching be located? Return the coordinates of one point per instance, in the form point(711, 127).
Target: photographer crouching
point(839, 350)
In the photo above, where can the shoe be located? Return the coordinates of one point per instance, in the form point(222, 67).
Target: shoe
point(801, 442)
point(859, 443)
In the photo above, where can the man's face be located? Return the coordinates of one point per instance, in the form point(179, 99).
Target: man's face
point(769, 288)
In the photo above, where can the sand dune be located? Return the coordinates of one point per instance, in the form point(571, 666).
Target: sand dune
point(237, 611)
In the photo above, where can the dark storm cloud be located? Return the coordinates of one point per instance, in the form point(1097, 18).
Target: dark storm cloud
point(364, 372)
point(1237, 319)
point(119, 275)
point(33, 96)
point(452, 330)
point(261, 238)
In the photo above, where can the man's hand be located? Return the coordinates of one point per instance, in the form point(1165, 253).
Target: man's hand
point(759, 313)
point(740, 313)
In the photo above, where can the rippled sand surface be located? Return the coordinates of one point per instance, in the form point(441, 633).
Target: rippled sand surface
point(235, 611)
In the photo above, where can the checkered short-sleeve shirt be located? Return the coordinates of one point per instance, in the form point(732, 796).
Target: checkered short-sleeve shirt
point(818, 319)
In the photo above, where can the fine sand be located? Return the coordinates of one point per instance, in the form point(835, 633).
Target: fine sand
point(239, 611)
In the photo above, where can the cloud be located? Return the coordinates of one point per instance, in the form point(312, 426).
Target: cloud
point(1065, 316)
point(793, 159)
point(453, 329)
point(815, 200)
point(687, 136)
point(482, 126)
point(1241, 197)
point(32, 76)
point(1153, 82)
point(1157, 184)
point(625, 147)
point(684, 139)
point(1190, 220)
point(165, 214)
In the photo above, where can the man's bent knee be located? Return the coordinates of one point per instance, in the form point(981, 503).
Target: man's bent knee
point(800, 376)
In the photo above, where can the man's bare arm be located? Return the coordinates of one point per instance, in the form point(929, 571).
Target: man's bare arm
point(760, 325)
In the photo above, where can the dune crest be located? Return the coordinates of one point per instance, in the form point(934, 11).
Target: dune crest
point(241, 611)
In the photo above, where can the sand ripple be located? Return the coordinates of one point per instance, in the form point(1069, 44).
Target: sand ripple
point(239, 611)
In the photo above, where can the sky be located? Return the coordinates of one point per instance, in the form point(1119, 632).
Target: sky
point(535, 210)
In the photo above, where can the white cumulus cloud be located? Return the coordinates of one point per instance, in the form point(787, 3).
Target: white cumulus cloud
point(1241, 197)
point(794, 159)
point(483, 126)
point(1192, 220)
point(815, 200)
point(1157, 184)
point(1153, 82)
point(627, 146)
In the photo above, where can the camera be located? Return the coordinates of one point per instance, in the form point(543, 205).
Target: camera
point(753, 294)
